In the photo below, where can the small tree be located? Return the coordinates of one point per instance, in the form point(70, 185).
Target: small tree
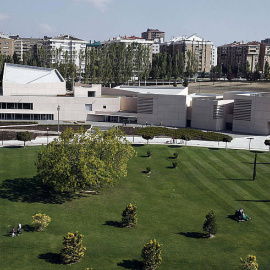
point(151, 254)
point(129, 216)
point(40, 221)
point(185, 138)
point(24, 136)
point(148, 153)
point(250, 263)
point(267, 142)
point(185, 82)
point(73, 249)
point(210, 224)
point(226, 140)
point(148, 137)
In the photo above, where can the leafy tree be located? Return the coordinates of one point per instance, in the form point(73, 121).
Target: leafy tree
point(24, 136)
point(129, 216)
point(226, 140)
point(148, 136)
point(79, 160)
point(229, 74)
point(266, 69)
point(40, 221)
point(185, 82)
point(73, 249)
point(250, 263)
point(151, 254)
point(210, 224)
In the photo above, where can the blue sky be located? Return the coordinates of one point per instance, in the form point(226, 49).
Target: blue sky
point(219, 21)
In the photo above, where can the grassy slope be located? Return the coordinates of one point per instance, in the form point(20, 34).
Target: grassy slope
point(205, 179)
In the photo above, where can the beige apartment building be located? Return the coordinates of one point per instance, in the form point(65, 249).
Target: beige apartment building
point(6, 45)
point(237, 54)
point(23, 45)
point(203, 50)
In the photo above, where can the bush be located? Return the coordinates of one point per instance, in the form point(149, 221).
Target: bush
point(24, 136)
point(40, 221)
point(129, 216)
point(148, 153)
point(175, 165)
point(250, 263)
point(151, 254)
point(148, 170)
point(175, 155)
point(73, 249)
point(210, 224)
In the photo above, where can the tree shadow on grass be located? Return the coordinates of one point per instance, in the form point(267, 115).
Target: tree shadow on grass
point(28, 228)
point(131, 264)
point(213, 148)
point(32, 190)
point(232, 217)
point(13, 146)
point(116, 224)
point(235, 179)
point(253, 200)
point(51, 257)
point(193, 234)
point(174, 146)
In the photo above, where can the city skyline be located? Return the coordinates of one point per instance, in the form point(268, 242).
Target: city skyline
point(103, 19)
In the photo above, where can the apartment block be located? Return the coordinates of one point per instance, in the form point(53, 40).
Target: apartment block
point(152, 34)
point(6, 45)
point(203, 50)
point(237, 54)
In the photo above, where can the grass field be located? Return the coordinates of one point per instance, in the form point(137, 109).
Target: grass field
point(172, 204)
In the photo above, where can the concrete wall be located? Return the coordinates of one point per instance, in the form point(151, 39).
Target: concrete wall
point(82, 91)
point(170, 110)
point(128, 104)
point(34, 89)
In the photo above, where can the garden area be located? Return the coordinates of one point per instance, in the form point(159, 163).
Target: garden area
point(173, 187)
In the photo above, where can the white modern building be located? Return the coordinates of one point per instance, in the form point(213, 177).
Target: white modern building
point(67, 48)
point(32, 93)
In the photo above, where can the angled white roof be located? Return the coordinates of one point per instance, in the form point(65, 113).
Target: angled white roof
point(154, 90)
point(21, 74)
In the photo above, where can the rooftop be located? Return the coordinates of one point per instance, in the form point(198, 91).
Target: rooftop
point(21, 74)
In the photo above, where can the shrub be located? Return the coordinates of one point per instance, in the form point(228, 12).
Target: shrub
point(40, 221)
point(129, 216)
point(267, 142)
point(148, 170)
point(148, 137)
point(250, 263)
point(24, 136)
point(151, 254)
point(175, 155)
point(148, 153)
point(210, 224)
point(73, 249)
point(175, 165)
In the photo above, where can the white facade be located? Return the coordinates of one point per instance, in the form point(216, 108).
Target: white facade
point(68, 45)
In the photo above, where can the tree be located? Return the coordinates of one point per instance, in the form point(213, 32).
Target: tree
point(210, 224)
point(79, 160)
point(129, 216)
point(267, 142)
point(151, 254)
point(185, 82)
point(24, 136)
point(254, 167)
point(73, 249)
point(41, 221)
point(226, 140)
point(229, 74)
point(250, 263)
point(266, 69)
point(148, 136)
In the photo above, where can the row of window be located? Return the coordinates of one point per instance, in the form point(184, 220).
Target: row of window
point(19, 116)
point(16, 106)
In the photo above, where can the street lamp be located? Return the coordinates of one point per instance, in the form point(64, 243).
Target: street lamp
point(249, 142)
point(47, 135)
point(58, 109)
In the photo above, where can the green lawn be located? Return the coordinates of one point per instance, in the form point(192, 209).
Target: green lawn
point(172, 204)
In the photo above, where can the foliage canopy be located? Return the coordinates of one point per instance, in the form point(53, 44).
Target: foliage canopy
point(79, 160)
point(151, 254)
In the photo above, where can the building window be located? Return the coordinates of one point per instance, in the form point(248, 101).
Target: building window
point(91, 93)
point(88, 107)
point(16, 106)
point(18, 116)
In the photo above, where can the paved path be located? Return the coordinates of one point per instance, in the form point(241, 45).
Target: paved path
point(238, 142)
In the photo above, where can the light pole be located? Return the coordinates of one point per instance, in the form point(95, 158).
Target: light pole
point(47, 135)
point(249, 142)
point(58, 109)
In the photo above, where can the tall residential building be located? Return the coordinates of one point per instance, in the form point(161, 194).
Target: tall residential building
point(203, 50)
point(152, 34)
point(67, 48)
point(237, 54)
point(24, 45)
point(267, 41)
point(6, 45)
